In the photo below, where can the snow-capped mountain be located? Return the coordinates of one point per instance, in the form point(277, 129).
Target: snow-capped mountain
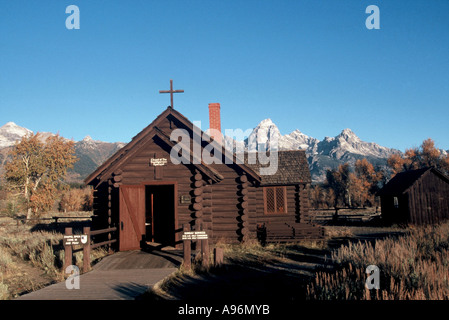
point(298, 140)
point(266, 133)
point(91, 153)
point(324, 154)
point(347, 142)
point(10, 133)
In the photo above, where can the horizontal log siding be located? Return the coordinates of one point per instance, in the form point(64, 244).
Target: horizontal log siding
point(291, 203)
point(304, 205)
point(100, 207)
point(252, 211)
point(225, 205)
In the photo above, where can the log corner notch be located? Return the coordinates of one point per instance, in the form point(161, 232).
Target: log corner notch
point(197, 199)
point(298, 203)
point(117, 178)
point(243, 225)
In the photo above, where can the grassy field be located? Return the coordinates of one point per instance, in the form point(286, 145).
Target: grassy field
point(413, 265)
point(31, 254)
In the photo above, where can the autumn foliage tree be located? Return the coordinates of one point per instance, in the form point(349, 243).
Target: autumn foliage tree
point(339, 181)
point(355, 186)
point(426, 155)
point(36, 168)
point(321, 196)
point(76, 199)
point(367, 181)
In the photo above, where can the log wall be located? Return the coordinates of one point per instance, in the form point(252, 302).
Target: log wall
point(225, 205)
point(230, 209)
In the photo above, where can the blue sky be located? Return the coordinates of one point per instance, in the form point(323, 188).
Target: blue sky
point(310, 65)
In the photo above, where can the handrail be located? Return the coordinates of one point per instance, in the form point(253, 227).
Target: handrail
point(86, 248)
point(56, 218)
point(101, 231)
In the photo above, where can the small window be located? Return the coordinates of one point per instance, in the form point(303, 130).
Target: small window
point(275, 200)
point(396, 202)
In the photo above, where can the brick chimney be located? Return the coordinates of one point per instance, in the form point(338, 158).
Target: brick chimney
point(214, 120)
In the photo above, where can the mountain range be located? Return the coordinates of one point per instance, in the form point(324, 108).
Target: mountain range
point(91, 153)
point(321, 154)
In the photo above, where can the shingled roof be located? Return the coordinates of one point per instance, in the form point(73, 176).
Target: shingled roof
point(293, 168)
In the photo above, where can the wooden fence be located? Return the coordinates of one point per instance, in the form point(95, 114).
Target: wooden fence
point(55, 219)
point(337, 216)
point(89, 245)
point(86, 248)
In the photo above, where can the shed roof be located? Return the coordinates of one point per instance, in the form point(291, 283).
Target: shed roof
point(402, 181)
point(292, 168)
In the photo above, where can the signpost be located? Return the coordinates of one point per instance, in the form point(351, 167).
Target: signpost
point(187, 237)
point(185, 199)
point(187, 246)
point(75, 239)
point(158, 162)
point(71, 240)
point(194, 235)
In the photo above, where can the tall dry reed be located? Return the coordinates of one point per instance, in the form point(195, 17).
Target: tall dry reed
point(412, 267)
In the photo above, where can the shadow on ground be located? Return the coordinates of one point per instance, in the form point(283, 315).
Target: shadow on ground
point(130, 290)
point(283, 276)
point(279, 278)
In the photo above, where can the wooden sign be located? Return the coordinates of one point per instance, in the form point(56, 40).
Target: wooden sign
point(75, 239)
point(185, 199)
point(194, 235)
point(158, 162)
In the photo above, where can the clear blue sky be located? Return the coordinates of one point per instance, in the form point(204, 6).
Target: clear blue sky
point(310, 65)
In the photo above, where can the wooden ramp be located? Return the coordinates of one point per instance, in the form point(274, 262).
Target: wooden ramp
point(121, 276)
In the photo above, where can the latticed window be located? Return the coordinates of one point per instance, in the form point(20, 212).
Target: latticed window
point(275, 200)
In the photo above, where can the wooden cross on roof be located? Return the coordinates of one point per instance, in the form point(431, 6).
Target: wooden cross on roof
point(171, 91)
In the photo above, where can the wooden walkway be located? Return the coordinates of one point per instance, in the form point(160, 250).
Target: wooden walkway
point(121, 276)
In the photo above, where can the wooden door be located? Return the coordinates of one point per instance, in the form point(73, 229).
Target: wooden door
point(132, 217)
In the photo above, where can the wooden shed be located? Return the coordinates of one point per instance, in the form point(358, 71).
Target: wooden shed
point(148, 197)
point(418, 197)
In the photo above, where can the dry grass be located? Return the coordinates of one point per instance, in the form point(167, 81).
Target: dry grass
point(338, 232)
point(413, 267)
point(414, 264)
point(32, 255)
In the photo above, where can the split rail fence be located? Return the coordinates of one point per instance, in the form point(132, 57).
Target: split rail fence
point(89, 245)
point(86, 248)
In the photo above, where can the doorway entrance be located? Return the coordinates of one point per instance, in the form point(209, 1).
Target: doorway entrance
point(160, 214)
